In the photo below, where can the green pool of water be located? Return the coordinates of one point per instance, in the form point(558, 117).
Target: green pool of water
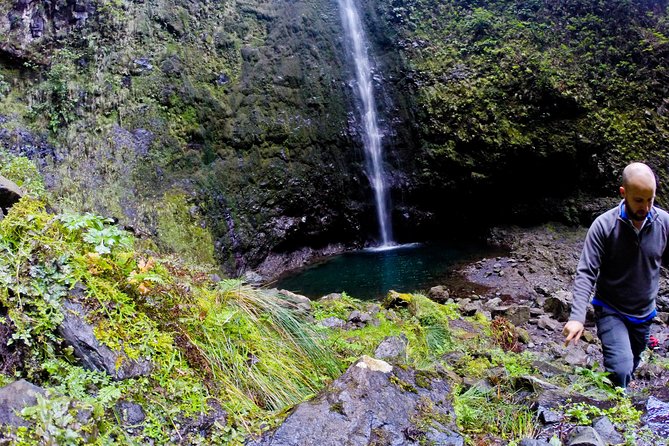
point(370, 274)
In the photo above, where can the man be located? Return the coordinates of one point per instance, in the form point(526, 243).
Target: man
point(620, 263)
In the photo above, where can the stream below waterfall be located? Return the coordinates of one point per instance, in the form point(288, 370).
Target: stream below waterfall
point(370, 273)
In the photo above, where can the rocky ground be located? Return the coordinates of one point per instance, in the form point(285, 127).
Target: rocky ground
point(531, 287)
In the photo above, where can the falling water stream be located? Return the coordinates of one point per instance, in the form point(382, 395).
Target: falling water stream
point(357, 42)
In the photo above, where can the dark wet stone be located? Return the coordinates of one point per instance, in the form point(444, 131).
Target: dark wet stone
point(10, 193)
point(657, 416)
point(548, 416)
point(200, 425)
point(516, 314)
point(559, 305)
point(93, 355)
point(130, 414)
point(584, 436)
point(222, 79)
point(607, 431)
point(439, 294)
point(13, 398)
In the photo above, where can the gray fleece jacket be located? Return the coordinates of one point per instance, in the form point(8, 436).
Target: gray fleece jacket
point(621, 266)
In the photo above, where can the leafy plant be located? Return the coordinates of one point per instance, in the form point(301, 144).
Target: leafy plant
point(97, 231)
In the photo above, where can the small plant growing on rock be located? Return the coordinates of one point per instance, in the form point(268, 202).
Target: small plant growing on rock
point(504, 334)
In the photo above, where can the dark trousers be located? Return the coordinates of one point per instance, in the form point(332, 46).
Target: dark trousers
point(622, 344)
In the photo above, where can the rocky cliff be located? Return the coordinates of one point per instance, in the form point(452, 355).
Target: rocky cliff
point(226, 131)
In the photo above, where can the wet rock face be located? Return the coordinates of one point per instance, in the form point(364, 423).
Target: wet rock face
point(372, 403)
point(29, 24)
point(13, 398)
point(93, 355)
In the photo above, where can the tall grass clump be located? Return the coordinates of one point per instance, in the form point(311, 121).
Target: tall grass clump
point(260, 348)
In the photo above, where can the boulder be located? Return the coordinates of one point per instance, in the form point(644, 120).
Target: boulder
point(13, 398)
point(559, 305)
point(10, 193)
point(516, 314)
point(397, 300)
point(392, 347)
point(549, 324)
point(358, 319)
point(657, 416)
point(94, 356)
point(292, 301)
point(372, 403)
point(330, 297)
point(584, 436)
point(607, 431)
point(439, 294)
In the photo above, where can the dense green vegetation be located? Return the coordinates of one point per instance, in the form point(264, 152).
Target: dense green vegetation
point(508, 93)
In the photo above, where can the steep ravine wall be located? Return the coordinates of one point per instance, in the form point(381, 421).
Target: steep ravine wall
point(224, 130)
point(231, 118)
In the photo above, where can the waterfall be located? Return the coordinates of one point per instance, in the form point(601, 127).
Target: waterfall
point(357, 42)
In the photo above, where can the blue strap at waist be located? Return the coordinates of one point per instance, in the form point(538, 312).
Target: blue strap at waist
point(635, 320)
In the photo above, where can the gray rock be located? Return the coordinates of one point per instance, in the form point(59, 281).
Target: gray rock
point(584, 436)
point(10, 193)
point(13, 398)
point(529, 442)
point(657, 416)
point(372, 403)
point(559, 305)
point(548, 415)
point(471, 308)
point(333, 322)
point(291, 301)
point(438, 294)
point(607, 431)
point(576, 356)
point(549, 324)
point(392, 347)
point(252, 278)
point(516, 314)
point(330, 297)
point(130, 414)
point(359, 318)
point(493, 303)
point(548, 370)
point(93, 355)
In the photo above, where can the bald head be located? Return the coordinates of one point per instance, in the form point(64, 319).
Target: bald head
point(638, 191)
point(639, 175)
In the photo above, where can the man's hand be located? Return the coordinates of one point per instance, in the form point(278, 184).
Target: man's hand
point(573, 331)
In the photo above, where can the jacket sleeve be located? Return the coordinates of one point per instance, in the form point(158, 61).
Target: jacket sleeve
point(665, 254)
point(588, 269)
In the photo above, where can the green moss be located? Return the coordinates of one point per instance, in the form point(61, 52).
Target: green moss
point(24, 173)
point(182, 232)
point(403, 385)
